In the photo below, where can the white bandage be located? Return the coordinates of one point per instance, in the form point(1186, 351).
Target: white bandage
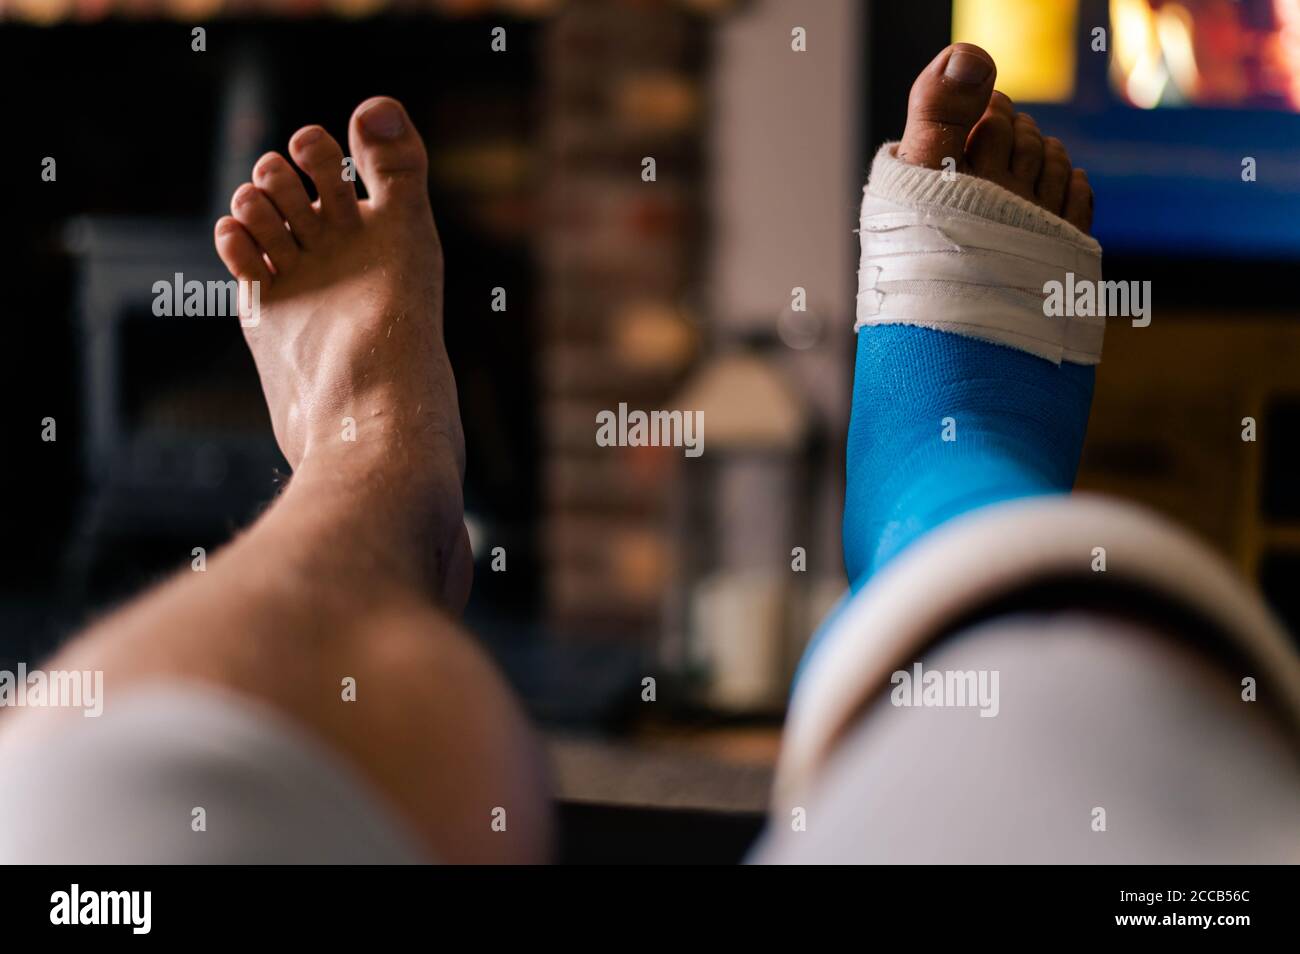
point(956, 253)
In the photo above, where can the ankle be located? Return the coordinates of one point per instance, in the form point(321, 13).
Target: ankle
point(395, 508)
point(943, 425)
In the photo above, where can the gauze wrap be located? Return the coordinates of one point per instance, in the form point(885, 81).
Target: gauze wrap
point(955, 253)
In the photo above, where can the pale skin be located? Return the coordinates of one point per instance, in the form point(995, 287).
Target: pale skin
point(360, 568)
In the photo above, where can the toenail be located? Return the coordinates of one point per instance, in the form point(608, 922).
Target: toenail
point(967, 67)
point(383, 120)
point(308, 136)
point(245, 195)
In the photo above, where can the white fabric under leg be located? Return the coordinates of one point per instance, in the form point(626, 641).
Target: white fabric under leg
point(1113, 743)
point(981, 556)
point(123, 789)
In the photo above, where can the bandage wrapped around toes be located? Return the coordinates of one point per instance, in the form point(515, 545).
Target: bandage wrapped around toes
point(956, 253)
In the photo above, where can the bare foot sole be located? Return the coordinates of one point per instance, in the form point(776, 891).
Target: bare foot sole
point(348, 342)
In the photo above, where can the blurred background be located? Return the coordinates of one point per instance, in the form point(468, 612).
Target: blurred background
point(724, 285)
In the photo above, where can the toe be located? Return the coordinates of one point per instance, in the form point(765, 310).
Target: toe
point(239, 253)
point(1026, 154)
point(278, 181)
point(320, 157)
point(988, 151)
point(389, 153)
point(1055, 177)
point(254, 211)
point(946, 101)
point(1078, 201)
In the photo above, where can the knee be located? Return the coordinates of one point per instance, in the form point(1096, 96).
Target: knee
point(436, 729)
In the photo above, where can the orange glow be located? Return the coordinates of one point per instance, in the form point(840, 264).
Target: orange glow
point(1206, 53)
point(1032, 41)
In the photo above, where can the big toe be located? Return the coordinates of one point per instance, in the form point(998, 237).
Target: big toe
point(389, 153)
point(947, 100)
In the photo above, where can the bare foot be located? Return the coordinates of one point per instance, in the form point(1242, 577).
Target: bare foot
point(349, 340)
point(955, 113)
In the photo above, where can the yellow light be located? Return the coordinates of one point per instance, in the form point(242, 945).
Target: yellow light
point(189, 11)
point(1133, 34)
point(1032, 41)
point(42, 12)
point(1174, 26)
